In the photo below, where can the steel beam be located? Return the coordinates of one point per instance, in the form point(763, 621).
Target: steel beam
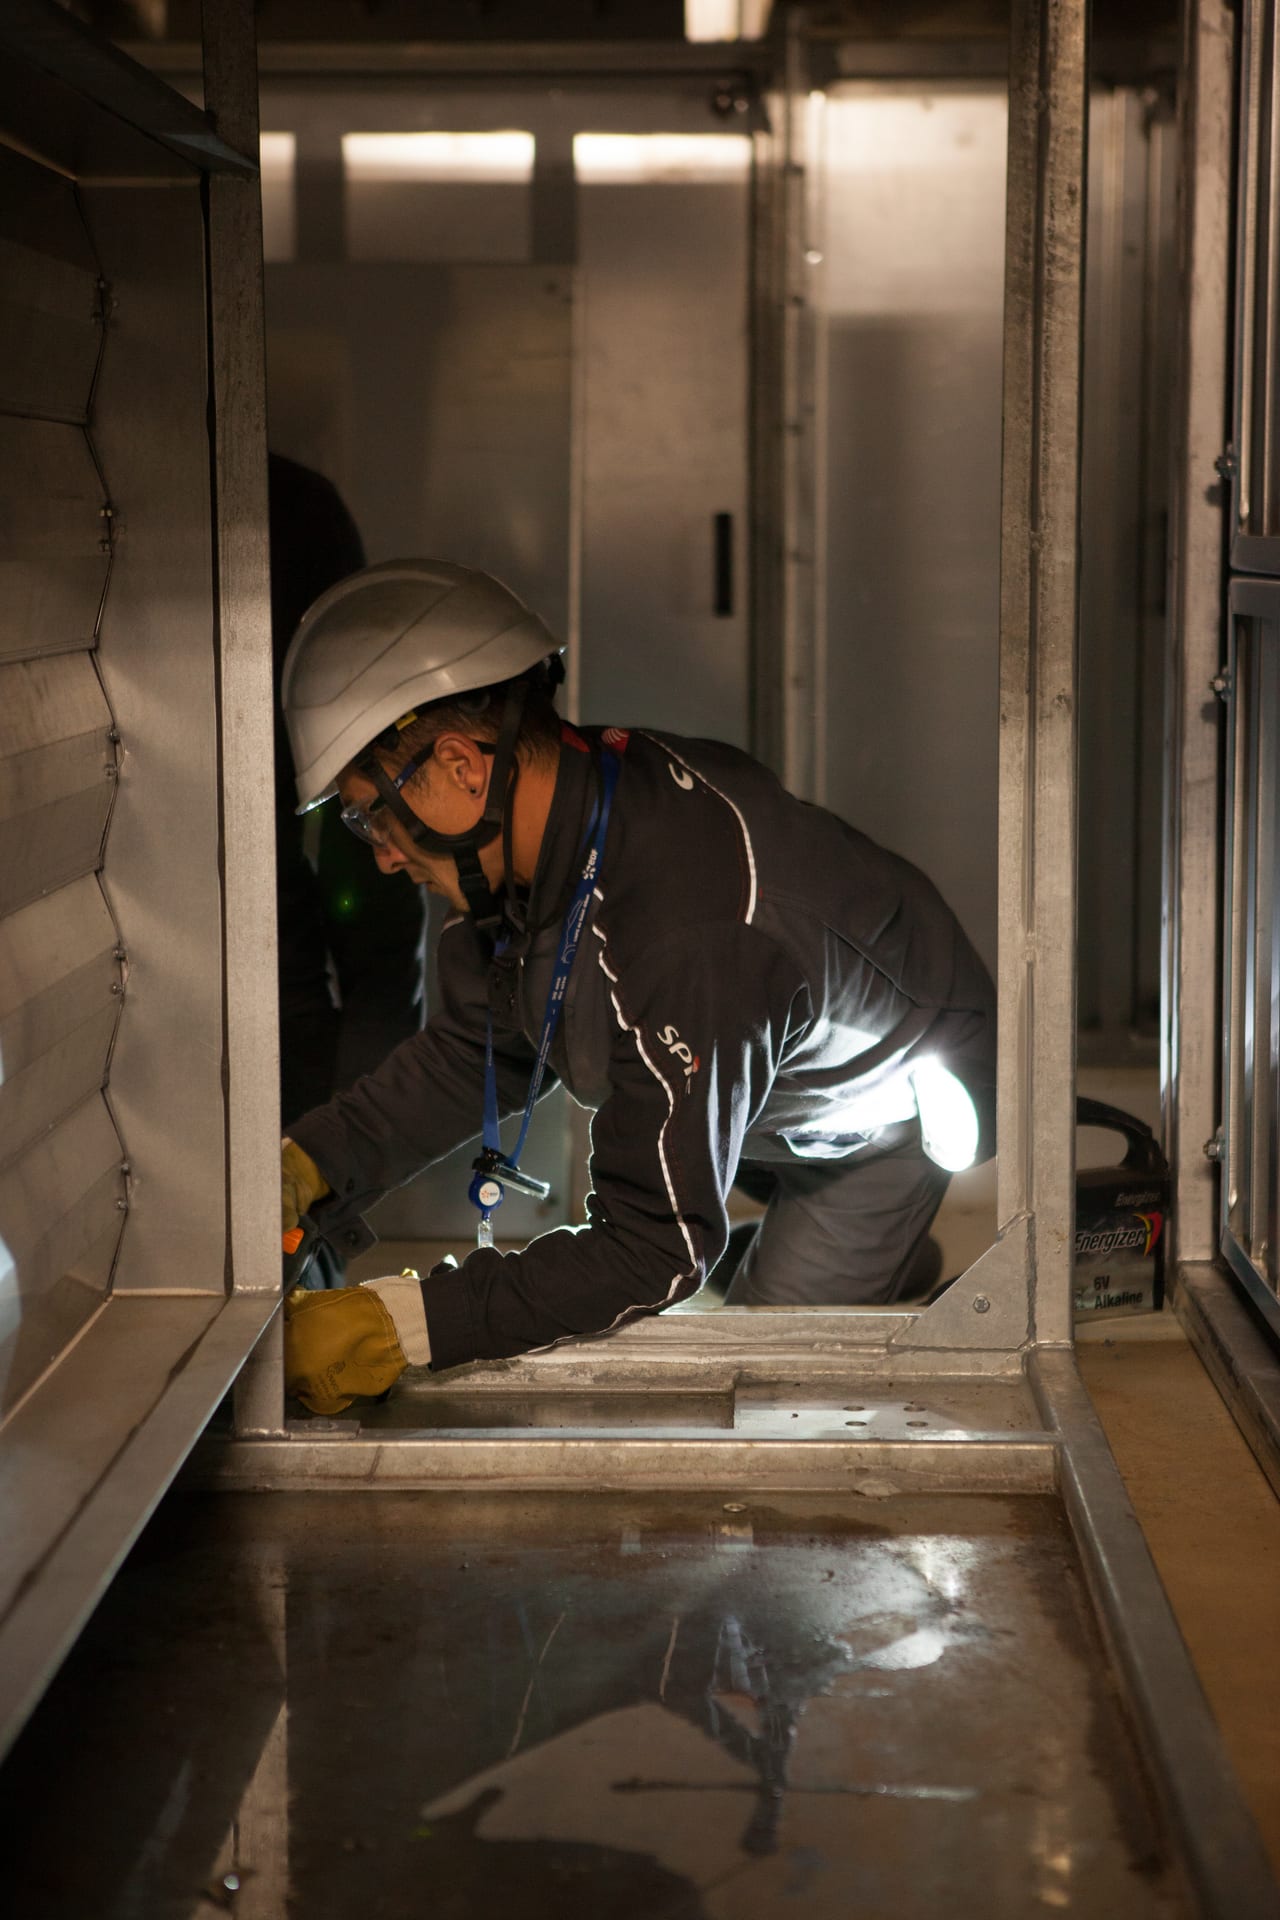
point(1191, 1027)
point(1040, 506)
point(243, 635)
point(672, 1460)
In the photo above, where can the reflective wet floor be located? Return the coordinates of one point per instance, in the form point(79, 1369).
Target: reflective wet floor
point(623, 1707)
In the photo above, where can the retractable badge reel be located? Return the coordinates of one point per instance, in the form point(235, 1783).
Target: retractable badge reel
point(491, 1175)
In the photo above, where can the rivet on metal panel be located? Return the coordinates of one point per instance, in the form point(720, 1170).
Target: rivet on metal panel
point(1215, 1146)
point(1221, 684)
point(122, 1206)
point(981, 1304)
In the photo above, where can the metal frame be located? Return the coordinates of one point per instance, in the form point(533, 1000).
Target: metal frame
point(82, 1464)
point(1247, 853)
point(1191, 1029)
point(1007, 1321)
point(1006, 1324)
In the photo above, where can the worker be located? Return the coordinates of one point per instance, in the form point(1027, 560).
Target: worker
point(729, 977)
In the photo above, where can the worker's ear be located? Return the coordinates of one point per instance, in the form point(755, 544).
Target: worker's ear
point(462, 763)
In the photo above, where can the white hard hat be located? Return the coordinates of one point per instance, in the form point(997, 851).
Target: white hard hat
point(390, 639)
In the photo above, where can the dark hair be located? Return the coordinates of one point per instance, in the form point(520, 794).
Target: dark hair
point(479, 715)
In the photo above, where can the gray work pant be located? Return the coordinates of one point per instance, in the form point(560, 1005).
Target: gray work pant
point(842, 1232)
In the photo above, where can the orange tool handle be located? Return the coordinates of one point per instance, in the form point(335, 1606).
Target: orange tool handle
point(292, 1240)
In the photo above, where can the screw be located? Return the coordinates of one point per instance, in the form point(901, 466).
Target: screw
point(116, 987)
point(122, 1206)
point(981, 1304)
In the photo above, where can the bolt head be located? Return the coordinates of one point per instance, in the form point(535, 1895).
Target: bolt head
point(981, 1304)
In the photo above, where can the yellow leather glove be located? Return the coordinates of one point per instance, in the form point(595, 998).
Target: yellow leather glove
point(339, 1344)
point(301, 1183)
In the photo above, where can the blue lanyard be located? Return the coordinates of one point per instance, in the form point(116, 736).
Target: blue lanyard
point(495, 1170)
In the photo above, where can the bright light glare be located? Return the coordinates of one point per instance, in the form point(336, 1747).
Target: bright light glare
point(616, 159)
point(948, 1117)
point(726, 19)
point(276, 153)
point(496, 158)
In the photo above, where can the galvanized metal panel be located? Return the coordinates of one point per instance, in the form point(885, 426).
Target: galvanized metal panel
point(909, 284)
point(664, 455)
point(437, 399)
point(60, 995)
point(60, 1226)
point(50, 312)
point(157, 659)
point(53, 557)
point(56, 760)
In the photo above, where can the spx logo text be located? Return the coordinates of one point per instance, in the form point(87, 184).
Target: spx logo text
point(689, 1060)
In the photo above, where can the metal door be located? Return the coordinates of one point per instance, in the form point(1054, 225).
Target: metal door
point(663, 223)
point(1251, 1063)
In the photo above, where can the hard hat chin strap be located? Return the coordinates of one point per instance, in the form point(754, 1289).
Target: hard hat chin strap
point(484, 906)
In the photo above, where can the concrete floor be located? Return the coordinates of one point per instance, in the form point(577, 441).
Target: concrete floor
point(1213, 1525)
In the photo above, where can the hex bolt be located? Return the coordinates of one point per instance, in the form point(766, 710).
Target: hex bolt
point(981, 1304)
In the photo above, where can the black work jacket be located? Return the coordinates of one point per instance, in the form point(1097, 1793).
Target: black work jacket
point(753, 983)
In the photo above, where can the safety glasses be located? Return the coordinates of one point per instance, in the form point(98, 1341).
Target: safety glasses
point(373, 823)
